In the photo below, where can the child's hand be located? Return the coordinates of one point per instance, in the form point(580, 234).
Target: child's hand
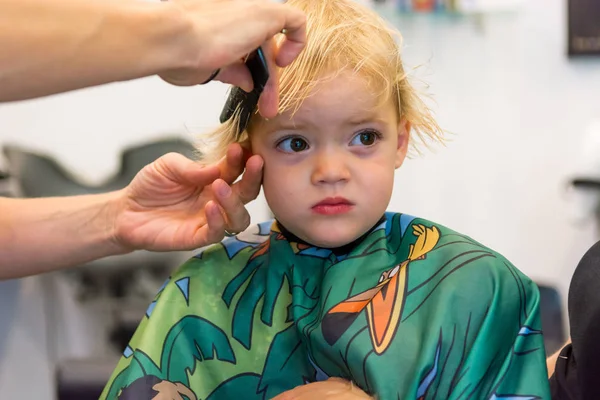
point(331, 389)
point(176, 204)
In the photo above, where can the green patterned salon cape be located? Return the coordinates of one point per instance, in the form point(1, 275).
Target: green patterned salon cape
point(411, 311)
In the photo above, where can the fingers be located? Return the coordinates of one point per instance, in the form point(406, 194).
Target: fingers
point(232, 199)
point(181, 169)
point(224, 32)
point(248, 188)
point(182, 389)
point(236, 215)
point(226, 213)
point(214, 229)
point(232, 165)
point(262, 21)
point(268, 103)
point(333, 388)
point(294, 28)
point(237, 75)
point(295, 38)
point(292, 22)
point(257, 22)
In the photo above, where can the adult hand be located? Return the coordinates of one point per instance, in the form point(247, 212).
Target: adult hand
point(177, 204)
point(331, 389)
point(223, 32)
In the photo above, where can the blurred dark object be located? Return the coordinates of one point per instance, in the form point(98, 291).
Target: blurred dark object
point(584, 27)
point(83, 379)
point(5, 184)
point(39, 175)
point(578, 365)
point(552, 319)
point(586, 183)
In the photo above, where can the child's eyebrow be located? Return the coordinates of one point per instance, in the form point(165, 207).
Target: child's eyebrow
point(301, 124)
point(366, 120)
point(288, 125)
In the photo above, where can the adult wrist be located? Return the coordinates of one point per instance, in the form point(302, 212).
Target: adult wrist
point(113, 206)
point(173, 37)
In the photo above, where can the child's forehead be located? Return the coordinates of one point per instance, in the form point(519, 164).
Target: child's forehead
point(331, 118)
point(345, 97)
point(339, 100)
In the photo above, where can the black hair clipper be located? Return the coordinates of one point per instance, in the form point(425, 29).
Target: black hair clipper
point(247, 102)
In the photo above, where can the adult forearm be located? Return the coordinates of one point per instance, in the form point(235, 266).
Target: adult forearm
point(41, 235)
point(52, 46)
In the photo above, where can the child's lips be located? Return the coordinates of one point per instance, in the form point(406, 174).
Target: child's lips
point(332, 206)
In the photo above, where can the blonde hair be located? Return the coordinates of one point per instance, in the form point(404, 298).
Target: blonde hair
point(341, 35)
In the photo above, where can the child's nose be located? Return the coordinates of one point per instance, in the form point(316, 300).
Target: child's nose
point(330, 167)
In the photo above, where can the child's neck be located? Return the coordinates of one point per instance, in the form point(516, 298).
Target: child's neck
point(338, 251)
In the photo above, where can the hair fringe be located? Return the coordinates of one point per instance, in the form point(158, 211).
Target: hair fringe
point(342, 35)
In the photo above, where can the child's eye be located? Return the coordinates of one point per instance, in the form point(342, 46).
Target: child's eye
point(365, 138)
point(292, 145)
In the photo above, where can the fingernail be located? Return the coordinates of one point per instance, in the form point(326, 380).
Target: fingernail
point(224, 190)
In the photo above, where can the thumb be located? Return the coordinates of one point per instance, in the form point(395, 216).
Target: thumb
point(268, 103)
point(236, 75)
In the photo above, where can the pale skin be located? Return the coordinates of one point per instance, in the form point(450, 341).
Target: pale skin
point(340, 142)
point(337, 388)
point(172, 391)
point(551, 361)
point(54, 46)
point(65, 45)
point(329, 161)
point(331, 389)
point(172, 204)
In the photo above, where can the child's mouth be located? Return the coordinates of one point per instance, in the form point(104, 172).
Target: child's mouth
point(332, 206)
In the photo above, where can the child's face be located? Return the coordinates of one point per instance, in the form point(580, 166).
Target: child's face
point(329, 170)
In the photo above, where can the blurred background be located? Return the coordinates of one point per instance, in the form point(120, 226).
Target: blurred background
point(516, 83)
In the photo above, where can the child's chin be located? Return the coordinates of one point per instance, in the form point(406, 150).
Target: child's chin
point(328, 233)
point(332, 239)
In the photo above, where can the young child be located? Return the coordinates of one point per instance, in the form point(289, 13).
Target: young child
point(336, 286)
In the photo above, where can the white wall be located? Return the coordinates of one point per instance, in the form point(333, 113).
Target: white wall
point(518, 107)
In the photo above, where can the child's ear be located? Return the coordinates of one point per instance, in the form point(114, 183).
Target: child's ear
point(403, 139)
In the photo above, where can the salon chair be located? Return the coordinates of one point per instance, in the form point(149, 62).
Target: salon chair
point(40, 175)
point(106, 280)
point(5, 184)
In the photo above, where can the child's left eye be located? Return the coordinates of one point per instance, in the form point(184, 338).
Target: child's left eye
point(365, 138)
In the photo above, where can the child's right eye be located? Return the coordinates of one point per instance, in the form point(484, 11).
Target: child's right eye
point(292, 145)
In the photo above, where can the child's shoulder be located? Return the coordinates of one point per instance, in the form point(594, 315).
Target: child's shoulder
point(413, 226)
point(451, 251)
point(231, 250)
